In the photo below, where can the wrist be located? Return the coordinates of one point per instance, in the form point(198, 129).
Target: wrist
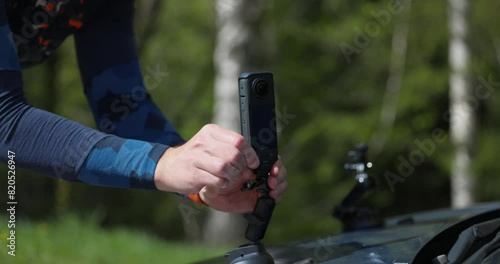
point(163, 175)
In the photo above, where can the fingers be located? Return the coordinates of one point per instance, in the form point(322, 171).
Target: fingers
point(277, 182)
point(225, 158)
point(204, 178)
point(219, 168)
point(214, 157)
point(227, 153)
point(228, 162)
point(236, 140)
point(278, 172)
point(278, 192)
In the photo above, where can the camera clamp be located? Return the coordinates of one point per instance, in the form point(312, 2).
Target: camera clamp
point(351, 216)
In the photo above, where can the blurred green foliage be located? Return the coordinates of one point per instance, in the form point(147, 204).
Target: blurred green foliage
point(335, 105)
point(71, 239)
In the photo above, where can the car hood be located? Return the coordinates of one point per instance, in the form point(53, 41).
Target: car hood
point(397, 242)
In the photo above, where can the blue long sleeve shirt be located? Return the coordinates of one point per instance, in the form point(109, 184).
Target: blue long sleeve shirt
point(134, 133)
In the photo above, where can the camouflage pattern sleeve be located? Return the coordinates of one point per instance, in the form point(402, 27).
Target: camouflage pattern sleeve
point(122, 163)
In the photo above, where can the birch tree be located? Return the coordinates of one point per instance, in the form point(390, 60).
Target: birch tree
point(394, 80)
point(462, 116)
point(236, 20)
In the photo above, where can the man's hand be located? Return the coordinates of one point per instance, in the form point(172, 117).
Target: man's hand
point(232, 199)
point(214, 157)
point(215, 163)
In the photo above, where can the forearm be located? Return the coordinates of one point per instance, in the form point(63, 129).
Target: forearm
point(51, 145)
point(123, 163)
point(43, 142)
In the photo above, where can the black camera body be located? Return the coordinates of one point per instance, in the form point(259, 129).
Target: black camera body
point(258, 126)
point(258, 116)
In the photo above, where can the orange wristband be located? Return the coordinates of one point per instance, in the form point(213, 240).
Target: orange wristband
point(195, 197)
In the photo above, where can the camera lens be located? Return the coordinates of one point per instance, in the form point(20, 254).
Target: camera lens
point(261, 87)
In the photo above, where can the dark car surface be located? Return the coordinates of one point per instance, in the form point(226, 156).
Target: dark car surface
point(440, 236)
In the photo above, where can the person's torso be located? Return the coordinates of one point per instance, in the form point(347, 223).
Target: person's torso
point(39, 27)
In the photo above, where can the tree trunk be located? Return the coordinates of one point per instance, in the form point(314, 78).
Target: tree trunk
point(236, 21)
point(394, 80)
point(462, 116)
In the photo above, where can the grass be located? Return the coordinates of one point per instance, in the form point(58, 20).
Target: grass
point(73, 240)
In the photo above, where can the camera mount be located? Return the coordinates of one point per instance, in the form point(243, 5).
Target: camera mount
point(249, 254)
point(351, 216)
